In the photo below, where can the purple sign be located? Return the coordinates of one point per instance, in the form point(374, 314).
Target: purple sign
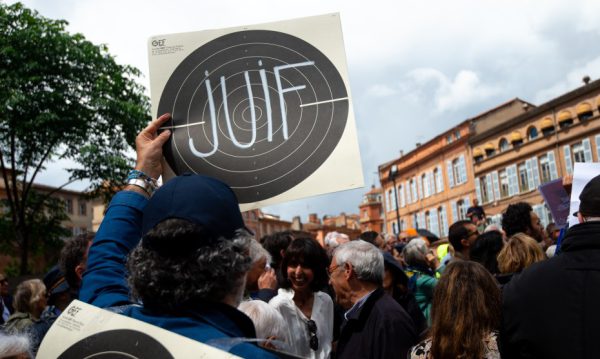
point(558, 200)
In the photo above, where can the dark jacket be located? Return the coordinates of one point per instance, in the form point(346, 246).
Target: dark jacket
point(550, 310)
point(381, 328)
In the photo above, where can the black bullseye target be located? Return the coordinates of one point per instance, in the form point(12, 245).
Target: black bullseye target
point(260, 110)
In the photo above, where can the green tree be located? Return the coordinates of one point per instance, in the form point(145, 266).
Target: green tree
point(62, 97)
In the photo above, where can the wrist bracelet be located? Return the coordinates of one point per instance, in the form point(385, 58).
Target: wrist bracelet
point(140, 179)
point(141, 184)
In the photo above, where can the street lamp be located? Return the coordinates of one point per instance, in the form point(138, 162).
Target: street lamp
point(393, 173)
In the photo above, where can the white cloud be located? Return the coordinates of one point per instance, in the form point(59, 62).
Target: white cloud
point(572, 80)
point(381, 90)
point(451, 94)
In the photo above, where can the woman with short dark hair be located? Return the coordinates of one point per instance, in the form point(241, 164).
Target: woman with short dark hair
point(465, 314)
point(307, 311)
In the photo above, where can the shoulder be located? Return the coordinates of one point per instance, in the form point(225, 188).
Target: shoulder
point(283, 296)
point(324, 299)
point(534, 276)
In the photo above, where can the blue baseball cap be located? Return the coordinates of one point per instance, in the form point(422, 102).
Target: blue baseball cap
point(202, 200)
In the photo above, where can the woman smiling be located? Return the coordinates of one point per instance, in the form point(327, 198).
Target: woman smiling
point(307, 311)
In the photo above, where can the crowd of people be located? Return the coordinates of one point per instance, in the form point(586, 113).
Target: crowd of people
point(180, 257)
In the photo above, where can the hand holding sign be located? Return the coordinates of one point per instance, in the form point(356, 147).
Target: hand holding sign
point(148, 146)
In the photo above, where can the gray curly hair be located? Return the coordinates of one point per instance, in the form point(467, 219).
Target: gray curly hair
point(211, 272)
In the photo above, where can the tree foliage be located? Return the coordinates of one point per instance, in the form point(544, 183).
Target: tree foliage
point(62, 97)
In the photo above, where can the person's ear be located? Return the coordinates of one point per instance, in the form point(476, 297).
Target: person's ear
point(580, 217)
point(348, 270)
point(79, 271)
point(465, 242)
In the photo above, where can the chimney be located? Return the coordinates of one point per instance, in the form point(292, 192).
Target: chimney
point(418, 144)
point(312, 218)
point(586, 79)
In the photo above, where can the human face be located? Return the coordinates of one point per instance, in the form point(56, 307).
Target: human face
point(339, 284)
point(536, 229)
point(254, 273)
point(4, 287)
point(300, 276)
point(380, 242)
point(472, 234)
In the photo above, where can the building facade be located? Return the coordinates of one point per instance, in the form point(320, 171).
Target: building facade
point(371, 211)
point(514, 157)
point(263, 224)
point(498, 157)
point(431, 186)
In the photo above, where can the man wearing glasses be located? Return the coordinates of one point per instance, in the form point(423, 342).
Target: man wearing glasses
point(375, 325)
point(462, 235)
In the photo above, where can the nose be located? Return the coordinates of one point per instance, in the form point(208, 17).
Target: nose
point(298, 269)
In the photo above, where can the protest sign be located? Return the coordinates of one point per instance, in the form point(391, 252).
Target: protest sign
point(582, 174)
point(265, 108)
point(86, 331)
point(558, 201)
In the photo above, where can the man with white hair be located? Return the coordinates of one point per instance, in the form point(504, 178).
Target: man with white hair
point(333, 240)
point(375, 325)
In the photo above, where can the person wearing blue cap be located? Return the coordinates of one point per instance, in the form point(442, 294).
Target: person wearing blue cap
point(180, 251)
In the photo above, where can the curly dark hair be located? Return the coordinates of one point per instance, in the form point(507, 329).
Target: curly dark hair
point(73, 254)
point(309, 253)
point(517, 218)
point(178, 279)
point(457, 232)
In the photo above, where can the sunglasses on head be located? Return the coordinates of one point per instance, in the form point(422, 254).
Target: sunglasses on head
point(312, 330)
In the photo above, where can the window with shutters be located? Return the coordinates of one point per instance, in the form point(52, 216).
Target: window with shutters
point(462, 209)
point(413, 189)
point(401, 195)
point(523, 178)
point(82, 208)
point(426, 187)
point(443, 221)
point(438, 180)
point(485, 196)
point(456, 170)
point(504, 185)
point(578, 155)
point(69, 206)
point(545, 169)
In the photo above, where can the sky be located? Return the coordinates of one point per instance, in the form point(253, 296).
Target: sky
point(416, 68)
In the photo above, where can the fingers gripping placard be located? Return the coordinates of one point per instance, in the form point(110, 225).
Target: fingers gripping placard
point(259, 109)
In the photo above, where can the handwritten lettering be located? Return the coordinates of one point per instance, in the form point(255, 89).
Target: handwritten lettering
point(263, 77)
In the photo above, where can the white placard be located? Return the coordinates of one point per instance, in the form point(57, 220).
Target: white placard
point(582, 174)
point(86, 331)
point(265, 108)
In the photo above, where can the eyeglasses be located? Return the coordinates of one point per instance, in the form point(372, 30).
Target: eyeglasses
point(472, 233)
point(312, 330)
point(331, 270)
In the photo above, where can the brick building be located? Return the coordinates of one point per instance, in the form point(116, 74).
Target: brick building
point(499, 157)
point(371, 211)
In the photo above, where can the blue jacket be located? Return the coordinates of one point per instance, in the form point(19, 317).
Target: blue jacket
point(104, 283)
